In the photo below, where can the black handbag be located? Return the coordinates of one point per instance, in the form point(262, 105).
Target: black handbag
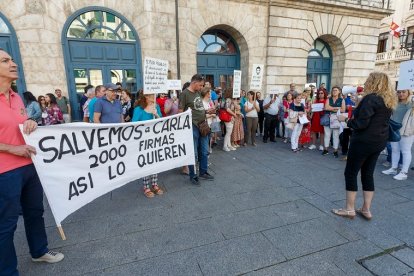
point(394, 131)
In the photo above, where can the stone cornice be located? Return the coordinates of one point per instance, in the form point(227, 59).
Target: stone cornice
point(340, 7)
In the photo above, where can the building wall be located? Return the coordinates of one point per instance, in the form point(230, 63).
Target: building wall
point(353, 41)
point(281, 41)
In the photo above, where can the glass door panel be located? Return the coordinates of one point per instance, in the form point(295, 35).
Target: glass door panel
point(117, 75)
point(80, 75)
point(226, 81)
point(130, 80)
point(95, 77)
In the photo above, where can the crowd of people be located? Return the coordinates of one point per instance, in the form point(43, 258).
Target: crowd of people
point(312, 118)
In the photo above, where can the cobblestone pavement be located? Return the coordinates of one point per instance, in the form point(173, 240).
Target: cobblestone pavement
point(266, 213)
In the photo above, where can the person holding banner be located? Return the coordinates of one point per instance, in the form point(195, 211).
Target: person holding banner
point(108, 109)
point(191, 98)
point(20, 188)
point(147, 109)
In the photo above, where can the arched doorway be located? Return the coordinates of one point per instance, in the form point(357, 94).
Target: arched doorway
point(319, 67)
point(218, 56)
point(8, 42)
point(100, 46)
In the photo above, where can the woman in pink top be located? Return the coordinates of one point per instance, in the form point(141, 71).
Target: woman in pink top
point(20, 188)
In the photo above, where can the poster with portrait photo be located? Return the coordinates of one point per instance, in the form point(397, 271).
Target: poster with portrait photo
point(257, 77)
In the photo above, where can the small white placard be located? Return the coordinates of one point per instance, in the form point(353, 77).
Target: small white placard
point(155, 75)
point(174, 85)
point(316, 107)
point(406, 80)
point(237, 83)
point(303, 119)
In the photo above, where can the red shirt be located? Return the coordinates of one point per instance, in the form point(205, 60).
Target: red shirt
point(12, 113)
point(161, 103)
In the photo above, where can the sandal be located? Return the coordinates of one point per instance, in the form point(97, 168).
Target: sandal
point(157, 190)
point(364, 214)
point(148, 193)
point(344, 213)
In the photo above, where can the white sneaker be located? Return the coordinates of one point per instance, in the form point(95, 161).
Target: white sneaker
point(312, 147)
point(401, 176)
point(226, 149)
point(321, 148)
point(386, 164)
point(232, 148)
point(390, 171)
point(50, 257)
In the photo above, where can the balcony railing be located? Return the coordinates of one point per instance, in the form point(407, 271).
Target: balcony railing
point(395, 55)
point(412, 5)
point(382, 4)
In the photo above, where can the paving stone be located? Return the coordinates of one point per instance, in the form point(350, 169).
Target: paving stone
point(123, 249)
point(303, 238)
point(236, 256)
point(309, 265)
point(256, 199)
point(248, 221)
point(180, 263)
point(387, 265)
point(405, 255)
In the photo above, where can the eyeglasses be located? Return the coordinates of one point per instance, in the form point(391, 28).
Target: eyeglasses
point(399, 92)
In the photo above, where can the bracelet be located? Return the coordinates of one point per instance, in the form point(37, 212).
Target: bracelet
point(31, 119)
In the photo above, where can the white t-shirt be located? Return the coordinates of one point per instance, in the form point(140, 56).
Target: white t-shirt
point(253, 113)
point(274, 107)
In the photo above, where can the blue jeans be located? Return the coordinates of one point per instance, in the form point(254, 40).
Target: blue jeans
point(200, 148)
point(20, 190)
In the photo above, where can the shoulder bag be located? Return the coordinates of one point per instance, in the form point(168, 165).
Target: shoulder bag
point(204, 128)
point(394, 131)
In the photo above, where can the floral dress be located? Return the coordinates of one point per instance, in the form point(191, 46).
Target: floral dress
point(238, 130)
point(54, 116)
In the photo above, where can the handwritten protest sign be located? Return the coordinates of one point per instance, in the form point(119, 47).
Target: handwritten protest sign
point(257, 77)
point(236, 83)
point(79, 162)
point(317, 107)
point(155, 75)
point(406, 79)
point(174, 85)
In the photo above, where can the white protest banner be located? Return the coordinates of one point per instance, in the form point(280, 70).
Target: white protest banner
point(174, 85)
point(237, 83)
point(316, 107)
point(257, 77)
point(80, 162)
point(406, 79)
point(155, 76)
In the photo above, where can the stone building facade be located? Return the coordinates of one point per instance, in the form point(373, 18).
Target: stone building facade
point(297, 41)
point(389, 52)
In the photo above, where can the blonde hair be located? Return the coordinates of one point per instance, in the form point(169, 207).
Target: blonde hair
point(379, 83)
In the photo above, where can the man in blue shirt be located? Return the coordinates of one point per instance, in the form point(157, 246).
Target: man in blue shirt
point(99, 93)
point(108, 109)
